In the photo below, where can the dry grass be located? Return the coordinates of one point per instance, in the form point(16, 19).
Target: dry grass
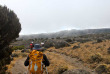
point(11, 65)
point(87, 50)
point(84, 53)
point(57, 63)
point(20, 55)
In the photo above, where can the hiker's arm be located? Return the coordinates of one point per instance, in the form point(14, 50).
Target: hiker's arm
point(26, 63)
point(46, 62)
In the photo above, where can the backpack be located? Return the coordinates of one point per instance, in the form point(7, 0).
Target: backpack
point(35, 62)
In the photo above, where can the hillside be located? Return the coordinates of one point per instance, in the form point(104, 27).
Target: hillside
point(71, 55)
point(66, 33)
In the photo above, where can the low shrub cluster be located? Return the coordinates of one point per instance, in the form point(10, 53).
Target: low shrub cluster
point(61, 44)
point(76, 71)
point(95, 58)
point(4, 59)
point(75, 47)
point(99, 40)
point(103, 69)
point(26, 50)
point(48, 44)
point(18, 47)
point(14, 55)
point(108, 50)
point(62, 69)
point(68, 40)
point(24, 55)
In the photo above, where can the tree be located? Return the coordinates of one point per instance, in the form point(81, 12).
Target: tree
point(9, 30)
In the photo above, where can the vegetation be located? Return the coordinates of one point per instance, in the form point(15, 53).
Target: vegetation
point(88, 51)
point(68, 40)
point(62, 69)
point(101, 69)
point(95, 58)
point(18, 47)
point(9, 30)
point(61, 44)
point(48, 44)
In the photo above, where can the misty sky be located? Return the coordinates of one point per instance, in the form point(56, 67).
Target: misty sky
point(45, 16)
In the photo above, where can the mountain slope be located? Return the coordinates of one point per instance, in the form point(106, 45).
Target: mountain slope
point(66, 33)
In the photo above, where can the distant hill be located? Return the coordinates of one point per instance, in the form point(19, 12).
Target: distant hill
point(66, 33)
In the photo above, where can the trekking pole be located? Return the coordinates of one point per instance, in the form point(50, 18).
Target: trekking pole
point(46, 69)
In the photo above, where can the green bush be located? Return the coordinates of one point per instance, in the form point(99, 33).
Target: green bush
point(9, 31)
point(18, 47)
point(48, 44)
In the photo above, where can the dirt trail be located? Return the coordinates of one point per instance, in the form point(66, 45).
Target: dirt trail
point(19, 67)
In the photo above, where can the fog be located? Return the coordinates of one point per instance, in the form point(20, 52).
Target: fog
point(45, 16)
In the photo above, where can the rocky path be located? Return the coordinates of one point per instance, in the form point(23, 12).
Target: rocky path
point(19, 67)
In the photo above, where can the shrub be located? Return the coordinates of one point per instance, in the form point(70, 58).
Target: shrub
point(61, 44)
point(23, 50)
point(57, 37)
point(68, 40)
point(26, 50)
point(18, 47)
point(62, 69)
point(101, 69)
point(15, 55)
point(108, 69)
point(24, 55)
point(52, 38)
point(108, 50)
point(95, 58)
point(48, 44)
point(99, 40)
point(82, 40)
point(75, 47)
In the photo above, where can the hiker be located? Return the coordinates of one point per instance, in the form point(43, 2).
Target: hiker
point(31, 45)
point(42, 44)
point(36, 60)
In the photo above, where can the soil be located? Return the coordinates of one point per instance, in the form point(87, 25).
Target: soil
point(19, 67)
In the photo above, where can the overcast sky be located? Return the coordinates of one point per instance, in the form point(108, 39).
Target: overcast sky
point(45, 16)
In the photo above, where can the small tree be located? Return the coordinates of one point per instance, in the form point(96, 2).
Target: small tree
point(9, 30)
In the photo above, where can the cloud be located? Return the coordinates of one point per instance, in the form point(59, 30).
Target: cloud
point(37, 16)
